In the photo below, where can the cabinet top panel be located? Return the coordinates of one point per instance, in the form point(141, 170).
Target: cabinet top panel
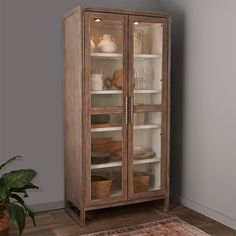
point(83, 9)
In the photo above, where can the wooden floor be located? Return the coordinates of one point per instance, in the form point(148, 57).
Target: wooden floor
point(58, 223)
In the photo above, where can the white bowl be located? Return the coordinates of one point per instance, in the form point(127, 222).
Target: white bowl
point(138, 150)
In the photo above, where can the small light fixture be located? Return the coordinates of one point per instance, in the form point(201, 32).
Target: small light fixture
point(97, 20)
point(136, 22)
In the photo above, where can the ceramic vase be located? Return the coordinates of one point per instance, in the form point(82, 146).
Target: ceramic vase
point(96, 82)
point(107, 44)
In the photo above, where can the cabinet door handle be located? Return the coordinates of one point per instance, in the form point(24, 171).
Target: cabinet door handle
point(131, 109)
point(126, 109)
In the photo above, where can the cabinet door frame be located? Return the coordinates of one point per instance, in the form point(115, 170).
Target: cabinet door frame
point(164, 108)
point(88, 110)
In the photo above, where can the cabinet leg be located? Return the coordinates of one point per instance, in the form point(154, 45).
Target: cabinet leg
point(82, 218)
point(166, 206)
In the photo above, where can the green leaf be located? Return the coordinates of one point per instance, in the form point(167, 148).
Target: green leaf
point(18, 198)
point(30, 186)
point(31, 215)
point(19, 178)
point(4, 193)
point(7, 162)
point(19, 190)
point(27, 210)
point(17, 215)
point(23, 189)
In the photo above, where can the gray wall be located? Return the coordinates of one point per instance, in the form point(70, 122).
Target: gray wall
point(33, 88)
point(203, 115)
point(1, 78)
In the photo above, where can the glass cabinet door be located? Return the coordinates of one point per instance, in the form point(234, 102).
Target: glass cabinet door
point(105, 72)
point(146, 91)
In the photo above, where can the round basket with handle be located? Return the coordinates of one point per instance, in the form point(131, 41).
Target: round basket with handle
point(141, 182)
point(100, 186)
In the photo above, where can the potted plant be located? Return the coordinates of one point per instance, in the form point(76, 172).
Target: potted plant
point(13, 188)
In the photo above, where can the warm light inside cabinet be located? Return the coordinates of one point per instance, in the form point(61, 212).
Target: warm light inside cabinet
point(97, 19)
point(136, 23)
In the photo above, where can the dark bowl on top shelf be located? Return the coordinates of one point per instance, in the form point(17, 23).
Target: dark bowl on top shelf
point(100, 119)
point(100, 157)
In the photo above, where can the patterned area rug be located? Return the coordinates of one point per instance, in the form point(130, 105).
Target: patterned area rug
point(167, 227)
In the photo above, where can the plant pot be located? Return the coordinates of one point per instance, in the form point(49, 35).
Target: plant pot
point(4, 224)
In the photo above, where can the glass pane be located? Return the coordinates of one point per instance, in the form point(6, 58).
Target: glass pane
point(147, 152)
point(106, 43)
point(106, 156)
point(148, 47)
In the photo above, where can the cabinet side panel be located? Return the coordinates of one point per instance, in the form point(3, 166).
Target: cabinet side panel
point(73, 108)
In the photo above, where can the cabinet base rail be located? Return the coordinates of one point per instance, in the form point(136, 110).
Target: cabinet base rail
point(79, 215)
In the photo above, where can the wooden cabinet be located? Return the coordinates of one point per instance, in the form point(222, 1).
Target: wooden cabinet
point(117, 108)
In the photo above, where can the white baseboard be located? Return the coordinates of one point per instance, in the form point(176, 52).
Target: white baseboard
point(47, 206)
point(215, 215)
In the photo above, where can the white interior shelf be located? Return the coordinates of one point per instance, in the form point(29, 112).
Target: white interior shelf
point(148, 126)
point(107, 92)
point(104, 55)
point(141, 91)
point(115, 192)
point(119, 128)
point(119, 163)
point(106, 165)
point(147, 56)
point(146, 161)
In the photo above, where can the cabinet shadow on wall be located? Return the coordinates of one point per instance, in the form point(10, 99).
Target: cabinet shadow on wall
point(177, 100)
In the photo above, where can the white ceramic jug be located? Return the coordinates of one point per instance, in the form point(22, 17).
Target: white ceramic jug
point(107, 44)
point(97, 82)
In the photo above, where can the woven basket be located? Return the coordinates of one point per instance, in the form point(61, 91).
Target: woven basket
point(4, 223)
point(101, 186)
point(141, 182)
